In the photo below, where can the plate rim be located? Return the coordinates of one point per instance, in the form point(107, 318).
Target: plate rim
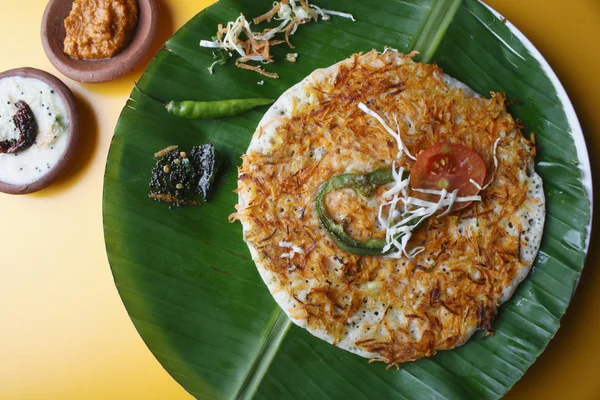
point(574, 124)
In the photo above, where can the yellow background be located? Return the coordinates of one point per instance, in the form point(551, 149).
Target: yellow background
point(64, 333)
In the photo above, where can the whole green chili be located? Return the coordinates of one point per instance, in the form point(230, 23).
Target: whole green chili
point(209, 109)
point(364, 185)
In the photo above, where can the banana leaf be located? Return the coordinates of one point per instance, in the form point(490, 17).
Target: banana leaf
point(186, 276)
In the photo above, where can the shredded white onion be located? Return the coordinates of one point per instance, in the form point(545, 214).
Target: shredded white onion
point(285, 12)
point(423, 203)
point(301, 13)
point(452, 198)
point(395, 135)
point(399, 138)
point(495, 164)
point(294, 249)
point(294, 29)
point(324, 16)
point(269, 35)
point(211, 45)
point(439, 192)
point(386, 49)
point(324, 12)
point(230, 41)
point(255, 58)
point(397, 188)
point(475, 184)
point(428, 191)
point(399, 226)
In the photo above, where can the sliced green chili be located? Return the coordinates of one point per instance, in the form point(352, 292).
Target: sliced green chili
point(364, 185)
point(209, 109)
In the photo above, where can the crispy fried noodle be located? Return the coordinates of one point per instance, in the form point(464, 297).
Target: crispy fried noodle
point(371, 111)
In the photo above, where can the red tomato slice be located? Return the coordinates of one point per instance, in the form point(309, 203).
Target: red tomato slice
point(448, 166)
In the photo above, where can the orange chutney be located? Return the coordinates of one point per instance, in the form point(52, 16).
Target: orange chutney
point(98, 29)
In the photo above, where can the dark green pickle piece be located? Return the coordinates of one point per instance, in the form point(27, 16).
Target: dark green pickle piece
point(182, 179)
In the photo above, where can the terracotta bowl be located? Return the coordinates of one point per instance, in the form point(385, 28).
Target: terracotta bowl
point(73, 134)
point(97, 71)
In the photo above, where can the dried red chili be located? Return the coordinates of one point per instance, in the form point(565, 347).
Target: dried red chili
point(25, 122)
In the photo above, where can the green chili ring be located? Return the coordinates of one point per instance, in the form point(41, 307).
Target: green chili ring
point(364, 185)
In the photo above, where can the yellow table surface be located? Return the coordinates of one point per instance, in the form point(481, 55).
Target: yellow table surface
point(64, 333)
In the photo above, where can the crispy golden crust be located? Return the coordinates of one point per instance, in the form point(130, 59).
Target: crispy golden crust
point(396, 310)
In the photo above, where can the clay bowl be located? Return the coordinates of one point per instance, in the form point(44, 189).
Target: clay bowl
point(69, 99)
point(97, 71)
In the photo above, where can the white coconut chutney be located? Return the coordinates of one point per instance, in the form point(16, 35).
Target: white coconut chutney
point(53, 126)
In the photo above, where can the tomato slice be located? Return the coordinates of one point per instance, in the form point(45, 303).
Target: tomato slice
point(448, 166)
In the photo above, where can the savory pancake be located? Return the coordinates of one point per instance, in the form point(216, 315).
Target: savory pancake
point(393, 308)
